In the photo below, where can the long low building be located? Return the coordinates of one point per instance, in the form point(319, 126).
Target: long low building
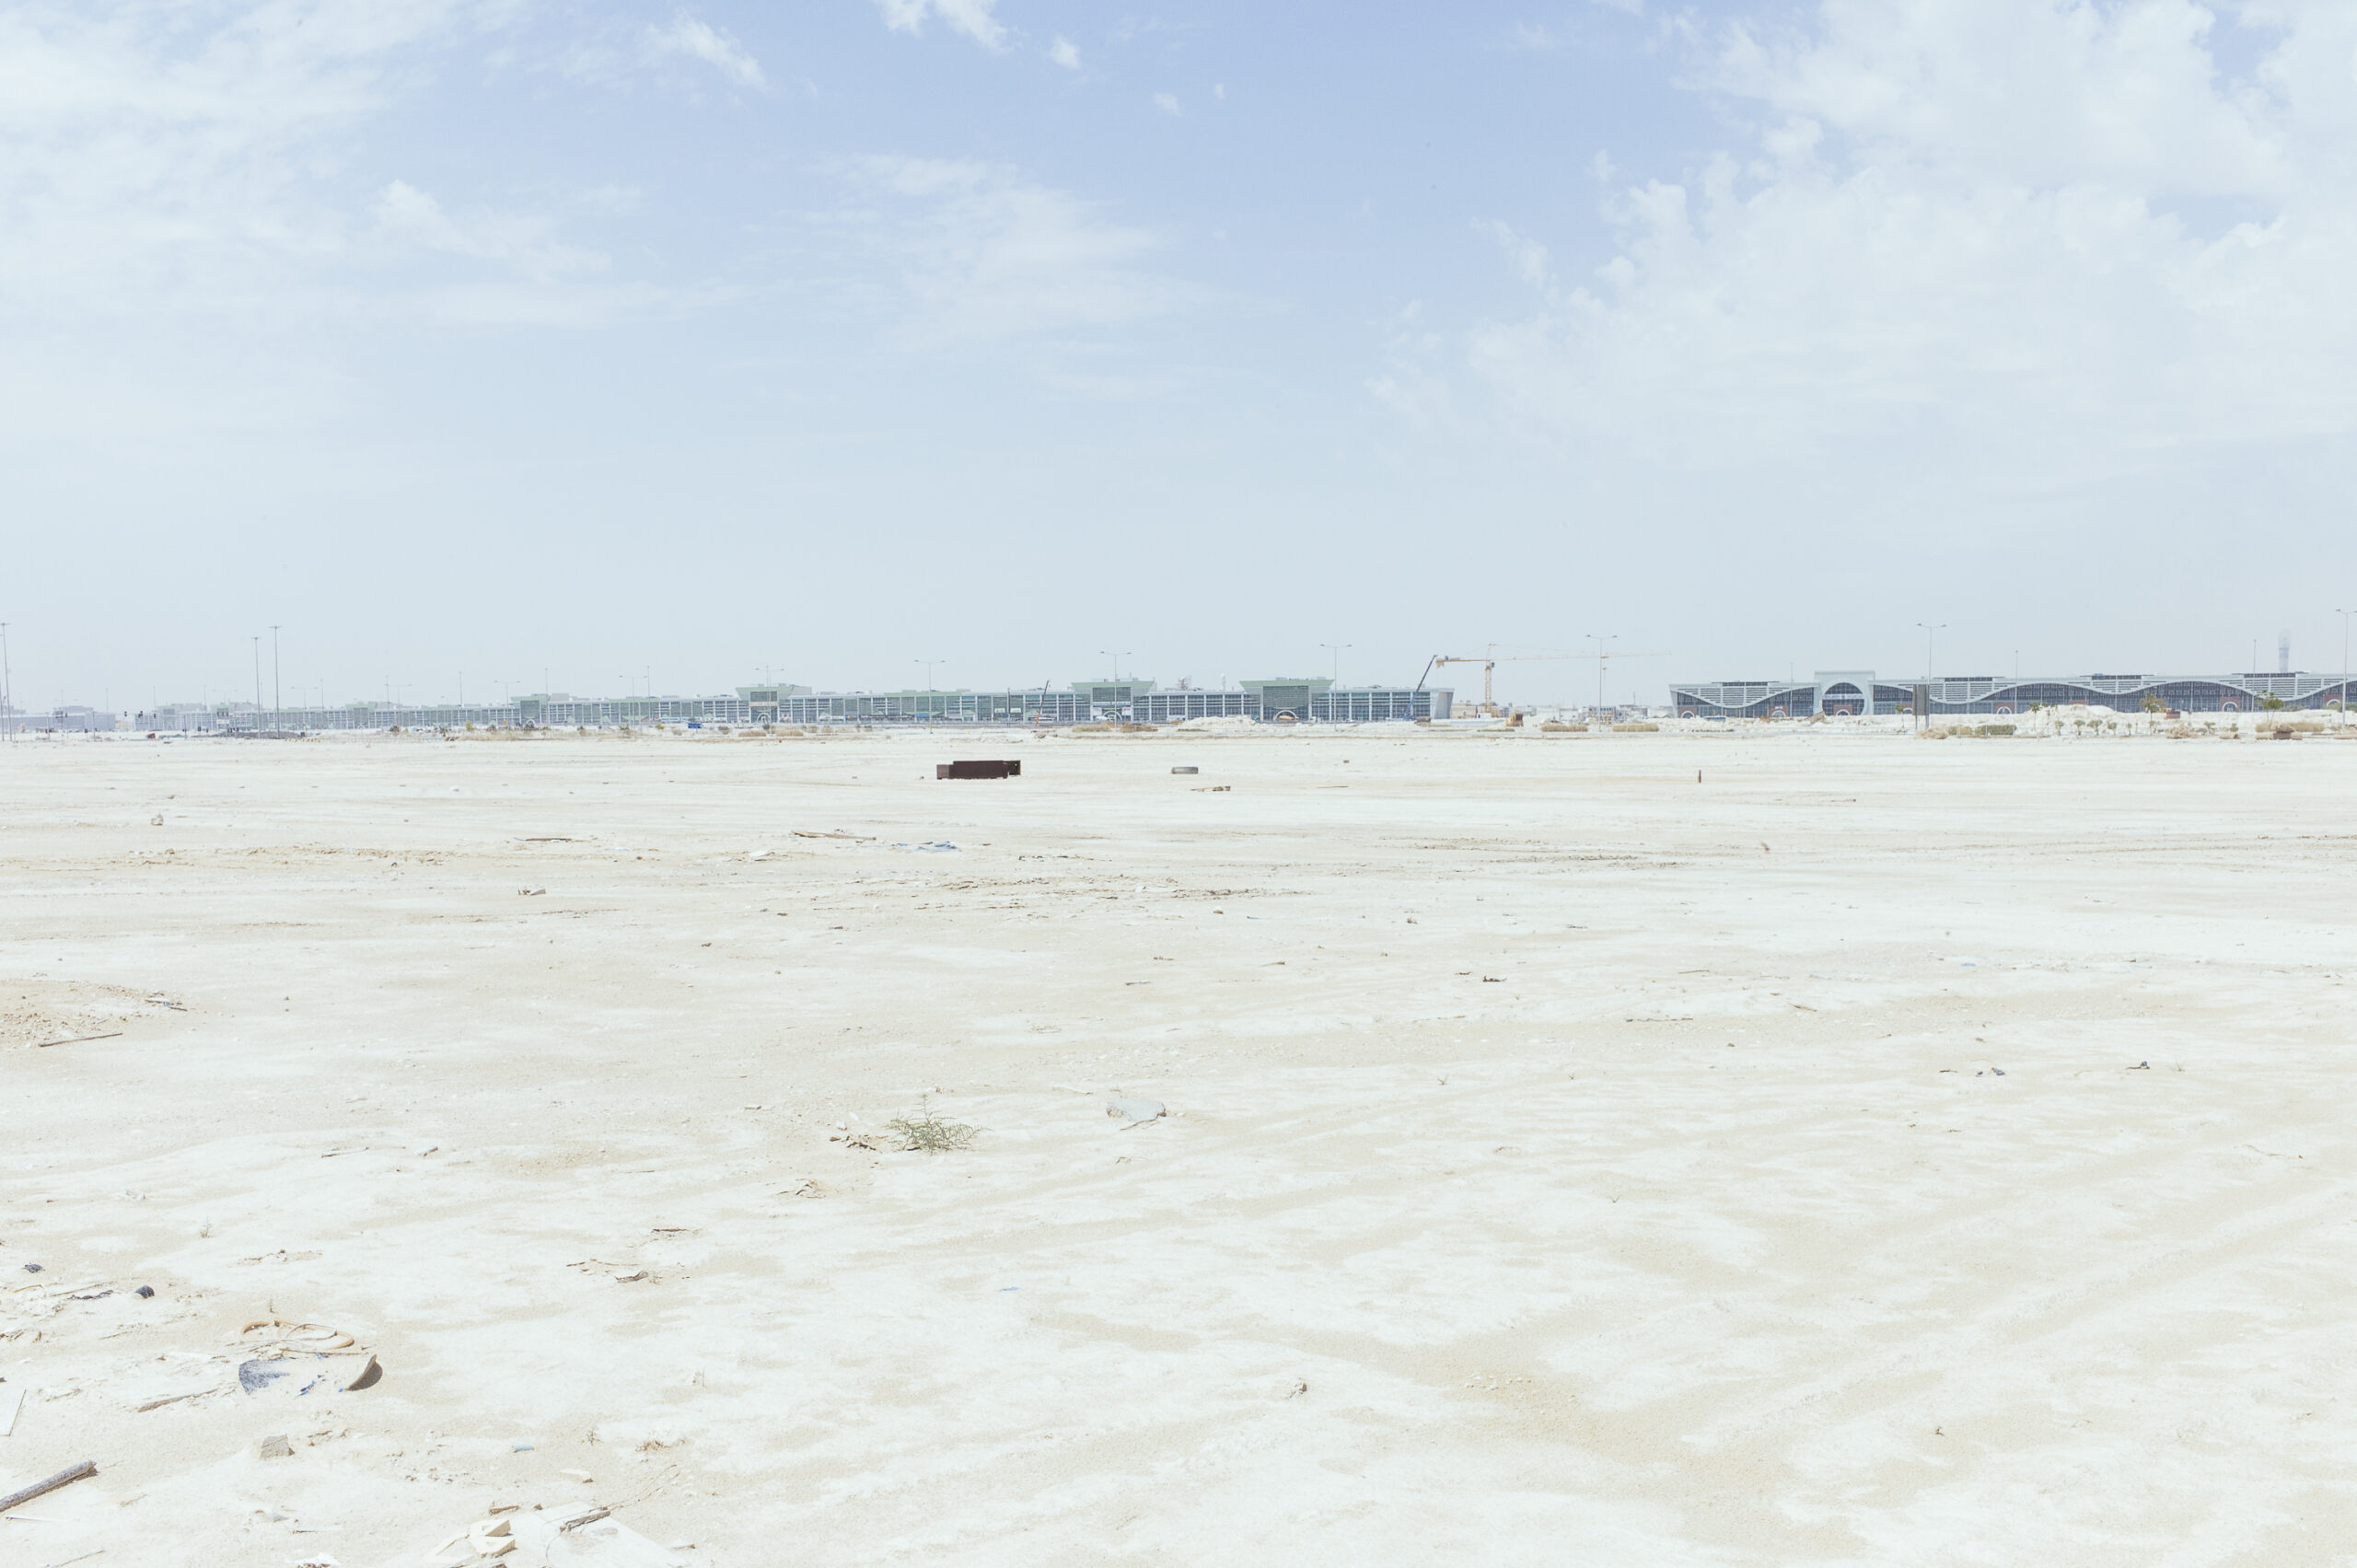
point(1836, 693)
point(1308, 700)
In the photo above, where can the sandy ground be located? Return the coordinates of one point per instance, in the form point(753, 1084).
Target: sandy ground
point(1875, 1151)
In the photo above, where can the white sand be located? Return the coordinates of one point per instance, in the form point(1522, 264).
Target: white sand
point(1705, 1233)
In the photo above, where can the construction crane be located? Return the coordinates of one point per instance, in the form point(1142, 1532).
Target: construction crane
point(1488, 662)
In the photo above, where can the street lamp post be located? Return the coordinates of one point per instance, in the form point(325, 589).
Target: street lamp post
point(1930, 631)
point(2344, 666)
point(1336, 649)
point(927, 698)
point(1599, 639)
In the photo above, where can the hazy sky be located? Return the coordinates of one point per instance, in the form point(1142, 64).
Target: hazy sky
point(512, 336)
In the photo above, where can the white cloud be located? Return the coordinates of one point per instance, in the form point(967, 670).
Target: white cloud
point(971, 17)
point(700, 40)
point(1064, 54)
point(1167, 102)
point(408, 216)
point(153, 157)
point(2019, 244)
point(1528, 257)
point(982, 254)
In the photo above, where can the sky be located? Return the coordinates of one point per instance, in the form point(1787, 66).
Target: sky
point(485, 347)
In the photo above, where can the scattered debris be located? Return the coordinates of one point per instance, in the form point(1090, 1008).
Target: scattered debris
point(81, 1471)
point(1007, 769)
point(1134, 1110)
point(281, 1375)
point(161, 1401)
point(1213, 789)
point(78, 1039)
point(1186, 770)
point(277, 1447)
point(632, 1278)
point(144, 1292)
point(370, 1376)
point(316, 1338)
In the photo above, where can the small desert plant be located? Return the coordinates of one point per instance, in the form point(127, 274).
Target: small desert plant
point(2272, 702)
point(929, 1133)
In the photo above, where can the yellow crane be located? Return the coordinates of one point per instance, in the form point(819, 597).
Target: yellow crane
point(1491, 658)
point(1489, 662)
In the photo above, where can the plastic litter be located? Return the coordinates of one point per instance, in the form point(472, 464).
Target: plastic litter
point(284, 1374)
point(1134, 1110)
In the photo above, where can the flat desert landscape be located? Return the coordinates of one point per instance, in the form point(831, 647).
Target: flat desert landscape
point(1800, 1148)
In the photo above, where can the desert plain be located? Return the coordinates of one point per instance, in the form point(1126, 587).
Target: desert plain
point(1808, 1146)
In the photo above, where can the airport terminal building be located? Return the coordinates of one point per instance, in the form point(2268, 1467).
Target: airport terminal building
point(1288, 700)
point(1836, 693)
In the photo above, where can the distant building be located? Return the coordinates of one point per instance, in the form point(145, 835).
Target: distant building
point(1133, 699)
point(1835, 692)
point(76, 718)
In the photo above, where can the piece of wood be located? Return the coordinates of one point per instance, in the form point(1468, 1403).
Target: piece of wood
point(77, 1040)
point(170, 1399)
point(81, 1471)
point(16, 1403)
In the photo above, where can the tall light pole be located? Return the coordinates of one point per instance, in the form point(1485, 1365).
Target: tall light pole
point(928, 697)
point(1336, 649)
point(1117, 658)
point(1930, 631)
point(2344, 664)
point(1599, 639)
point(257, 683)
point(275, 722)
point(7, 688)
